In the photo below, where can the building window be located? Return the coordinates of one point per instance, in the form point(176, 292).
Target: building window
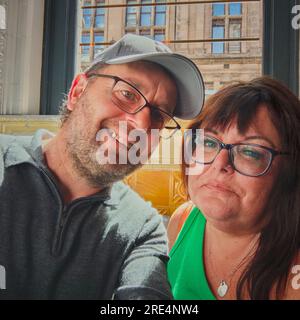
point(87, 15)
point(235, 9)
point(159, 35)
point(145, 14)
point(100, 18)
point(235, 27)
point(131, 14)
point(85, 48)
point(99, 38)
point(160, 14)
point(218, 31)
point(218, 9)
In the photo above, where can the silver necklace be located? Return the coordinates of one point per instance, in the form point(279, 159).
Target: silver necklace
point(223, 285)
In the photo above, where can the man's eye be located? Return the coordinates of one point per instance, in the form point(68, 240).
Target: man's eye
point(128, 95)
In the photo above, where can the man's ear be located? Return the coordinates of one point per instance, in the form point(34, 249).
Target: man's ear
point(77, 88)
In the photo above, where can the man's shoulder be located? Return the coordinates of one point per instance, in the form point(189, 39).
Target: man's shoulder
point(128, 198)
point(132, 211)
point(7, 140)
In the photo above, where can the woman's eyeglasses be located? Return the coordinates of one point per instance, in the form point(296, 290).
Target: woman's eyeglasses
point(249, 159)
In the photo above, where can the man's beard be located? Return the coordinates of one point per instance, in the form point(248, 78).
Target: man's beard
point(82, 147)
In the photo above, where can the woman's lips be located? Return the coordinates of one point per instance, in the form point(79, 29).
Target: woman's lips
point(217, 187)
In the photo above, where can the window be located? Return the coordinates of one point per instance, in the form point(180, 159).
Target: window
point(146, 14)
point(131, 14)
point(100, 16)
point(87, 14)
point(218, 9)
point(85, 48)
point(218, 31)
point(235, 9)
point(159, 35)
point(234, 32)
point(99, 37)
point(146, 18)
point(160, 14)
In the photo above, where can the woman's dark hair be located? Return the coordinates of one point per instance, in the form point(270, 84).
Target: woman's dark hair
point(279, 242)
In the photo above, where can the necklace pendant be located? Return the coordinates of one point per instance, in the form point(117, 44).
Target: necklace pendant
point(222, 289)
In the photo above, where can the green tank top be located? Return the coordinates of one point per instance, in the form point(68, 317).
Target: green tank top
point(186, 271)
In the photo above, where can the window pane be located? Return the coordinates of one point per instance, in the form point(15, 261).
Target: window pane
point(235, 32)
point(87, 18)
point(146, 9)
point(99, 23)
point(159, 36)
point(235, 9)
point(145, 19)
point(131, 15)
point(160, 14)
point(85, 49)
point(218, 33)
point(218, 9)
point(160, 19)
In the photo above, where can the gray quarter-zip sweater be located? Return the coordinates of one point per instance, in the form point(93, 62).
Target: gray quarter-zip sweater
point(109, 245)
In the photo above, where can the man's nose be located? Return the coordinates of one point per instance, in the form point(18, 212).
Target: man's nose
point(222, 162)
point(141, 119)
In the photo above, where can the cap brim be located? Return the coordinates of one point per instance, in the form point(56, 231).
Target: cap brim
point(188, 79)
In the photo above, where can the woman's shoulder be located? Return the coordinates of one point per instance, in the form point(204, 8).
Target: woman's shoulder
point(175, 221)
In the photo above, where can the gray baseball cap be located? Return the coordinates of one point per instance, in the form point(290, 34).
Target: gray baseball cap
point(187, 76)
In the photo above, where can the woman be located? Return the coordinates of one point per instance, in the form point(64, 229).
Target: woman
point(240, 237)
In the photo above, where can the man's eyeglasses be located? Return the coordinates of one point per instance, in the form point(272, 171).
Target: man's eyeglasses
point(130, 100)
point(249, 159)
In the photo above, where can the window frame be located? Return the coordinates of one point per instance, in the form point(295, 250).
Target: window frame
point(58, 65)
point(280, 48)
point(280, 43)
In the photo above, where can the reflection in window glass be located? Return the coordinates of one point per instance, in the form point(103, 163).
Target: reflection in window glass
point(146, 14)
point(235, 9)
point(235, 27)
point(218, 33)
point(218, 9)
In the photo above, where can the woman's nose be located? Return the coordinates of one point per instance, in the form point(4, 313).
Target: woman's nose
point(222, 162)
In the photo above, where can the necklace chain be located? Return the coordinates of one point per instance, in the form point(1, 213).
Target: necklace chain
point(223, 285)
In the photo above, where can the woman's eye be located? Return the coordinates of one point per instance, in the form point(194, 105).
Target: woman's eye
point(210, 144)
point(253, 154)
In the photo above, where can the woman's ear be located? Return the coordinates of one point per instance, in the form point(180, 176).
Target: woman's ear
point(77, 88)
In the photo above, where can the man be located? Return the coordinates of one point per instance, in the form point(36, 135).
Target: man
point(69, 229)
